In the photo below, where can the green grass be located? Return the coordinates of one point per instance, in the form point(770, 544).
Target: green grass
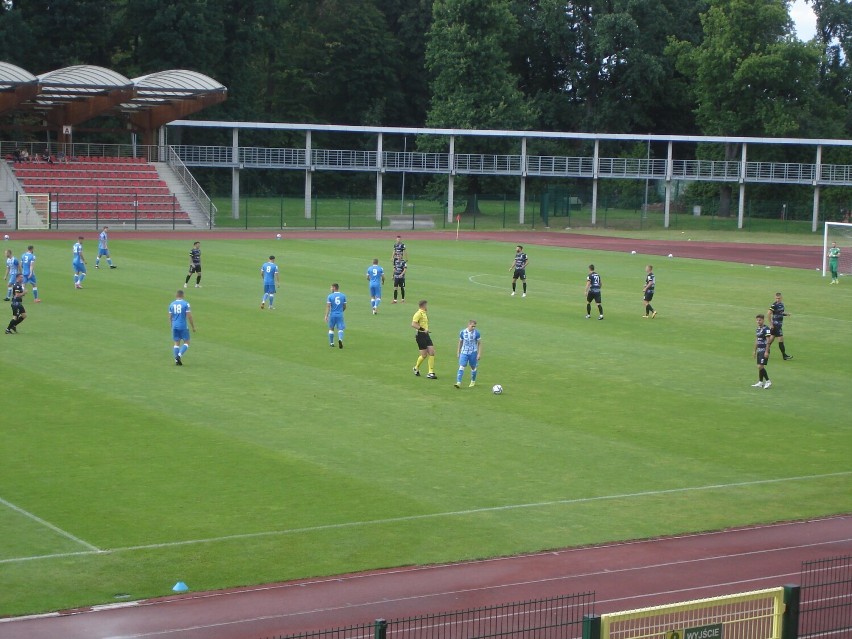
point(270, 456)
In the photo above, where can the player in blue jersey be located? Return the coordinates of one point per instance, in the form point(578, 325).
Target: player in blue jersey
point(269, 275)
point(28, 261)
point(12, 269)
point(777, 313)
point(469, 352)
point(376, 277)
point(519, 269)
point(180, 314)
point(761, 352)
point(593, 292)
point(648, 292)
point(335, 304)
point(78, 263)
point(103, 249)
point(19, 313)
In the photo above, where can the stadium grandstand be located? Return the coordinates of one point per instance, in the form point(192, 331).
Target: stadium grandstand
point(57, 182)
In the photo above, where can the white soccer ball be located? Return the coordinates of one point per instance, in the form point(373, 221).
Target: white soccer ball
point(497, 389)
point(278, 237)
point(633, 252)
point(670, 255)
point(6, 237)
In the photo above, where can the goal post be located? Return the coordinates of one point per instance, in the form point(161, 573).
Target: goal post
point(33, 211)
point(841, 233)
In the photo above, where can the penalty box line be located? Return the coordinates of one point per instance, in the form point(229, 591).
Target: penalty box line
point(47, 524)
point(455, 513)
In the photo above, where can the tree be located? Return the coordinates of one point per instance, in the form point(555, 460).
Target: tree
point(472, 87)
point(60, 33)
point(748, 75)
point(600, 65)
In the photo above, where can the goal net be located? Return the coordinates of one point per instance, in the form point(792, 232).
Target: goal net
point(33, 210)
point(841, 234)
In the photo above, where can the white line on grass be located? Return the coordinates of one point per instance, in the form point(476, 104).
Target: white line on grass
point(47, 524)
point(472, 279)
point(454, 513)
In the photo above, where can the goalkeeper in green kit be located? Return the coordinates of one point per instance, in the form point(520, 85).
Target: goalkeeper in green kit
point(833, 259)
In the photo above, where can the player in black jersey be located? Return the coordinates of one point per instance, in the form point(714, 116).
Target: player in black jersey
point(400, 266)
point(593, 292)
point(761, 352)
point(519, 269)
point(777, 313)
point(194, 265)
point(648, 292)
point(399, 251)
point(19, 313)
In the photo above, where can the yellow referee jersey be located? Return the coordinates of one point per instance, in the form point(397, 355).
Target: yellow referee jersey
point(421, 318)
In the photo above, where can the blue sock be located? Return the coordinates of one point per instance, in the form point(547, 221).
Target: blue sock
point(82, 277)
point(183, 349)
point(340, 335)
point(272, 300)
point(473, 375)
point(331, 337)
point(176, 350)
point(35, 293)
point(459, 375)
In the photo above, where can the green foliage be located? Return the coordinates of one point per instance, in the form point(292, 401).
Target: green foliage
point(467, 55)
point(270, 456)
point(748, 74)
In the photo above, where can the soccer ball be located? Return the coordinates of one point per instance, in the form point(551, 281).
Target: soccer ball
point(278, 237)
point(497, 389)
point(633, 252)
point(5, 237)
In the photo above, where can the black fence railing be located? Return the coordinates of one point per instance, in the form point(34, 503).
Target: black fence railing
point(825, 604)
point(554, 618)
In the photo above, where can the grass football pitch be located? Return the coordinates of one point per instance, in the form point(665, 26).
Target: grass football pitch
point(270, 456)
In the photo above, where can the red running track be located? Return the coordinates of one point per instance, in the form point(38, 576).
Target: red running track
point(623, 576)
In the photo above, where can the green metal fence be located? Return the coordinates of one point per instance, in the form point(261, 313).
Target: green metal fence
point(825, 604)
point(554, 618)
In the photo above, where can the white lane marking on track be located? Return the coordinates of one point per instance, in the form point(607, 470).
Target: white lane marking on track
point(386, 601)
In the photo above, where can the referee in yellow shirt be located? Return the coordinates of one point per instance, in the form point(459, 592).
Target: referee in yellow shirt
point(420, 323)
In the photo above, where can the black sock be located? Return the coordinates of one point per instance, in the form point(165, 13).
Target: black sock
point(187, 279)
point(600, 309)
point(525, 287)
point(394, 293)
point(513, 287)
point(198, 280)
point(588, 309)
point(403, 293)
point(781, 346)
point(649, 309)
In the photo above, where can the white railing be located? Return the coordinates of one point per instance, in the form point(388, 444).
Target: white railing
point(192, 185)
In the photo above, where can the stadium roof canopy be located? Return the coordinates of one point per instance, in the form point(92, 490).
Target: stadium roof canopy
point(73, 95)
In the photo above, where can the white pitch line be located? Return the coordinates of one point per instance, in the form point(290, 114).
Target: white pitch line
point(472, 279)
point(47, 524)
point(454, 513)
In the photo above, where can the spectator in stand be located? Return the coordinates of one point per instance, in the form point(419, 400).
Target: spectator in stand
point(25, 155)
point(16, 156)
point(46, 157)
